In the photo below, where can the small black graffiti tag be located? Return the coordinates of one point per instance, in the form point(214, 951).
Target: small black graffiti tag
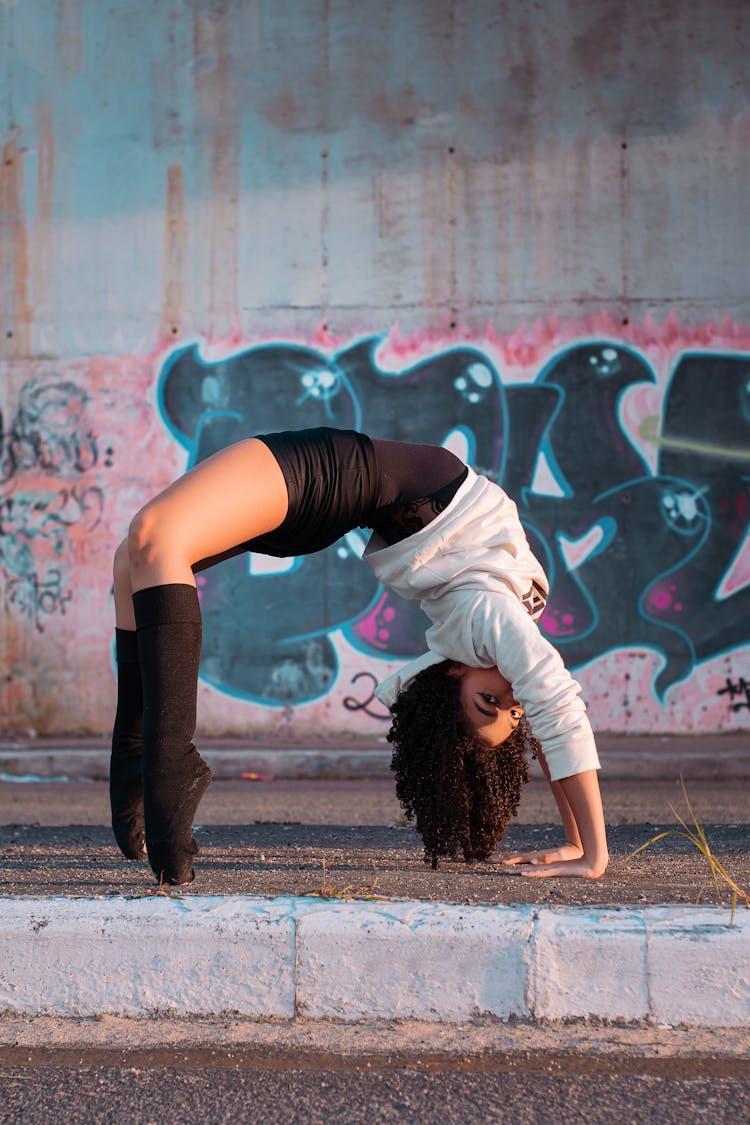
point(34, 597)
point(739, 689)
point(352, 704)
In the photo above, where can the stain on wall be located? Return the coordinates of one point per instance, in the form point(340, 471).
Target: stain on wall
point(14, 262)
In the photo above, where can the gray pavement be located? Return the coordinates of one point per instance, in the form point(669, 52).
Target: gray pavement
point(343, 862)
point(277, 813)
point(274, 837)
point(369, 801)
point(115, 1070)
point(93, 1092)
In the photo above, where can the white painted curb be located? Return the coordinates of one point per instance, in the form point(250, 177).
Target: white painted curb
point(295, 957)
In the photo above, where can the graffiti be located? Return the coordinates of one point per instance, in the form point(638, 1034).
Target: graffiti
point(40, 528)
point(737, 690)
point(643, 531)
point(48, 432)
point(42, 524)
point(38, 531)
point(48, 514)
point(32, 597)
point(353, 704)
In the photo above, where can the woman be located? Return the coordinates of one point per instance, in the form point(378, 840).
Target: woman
point(442, 535)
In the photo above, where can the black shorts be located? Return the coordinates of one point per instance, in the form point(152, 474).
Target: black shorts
point(331, 478)
point(340, 479)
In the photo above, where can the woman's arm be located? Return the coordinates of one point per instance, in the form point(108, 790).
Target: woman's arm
point(571, 849)
point(503, 634)
point(584, 853)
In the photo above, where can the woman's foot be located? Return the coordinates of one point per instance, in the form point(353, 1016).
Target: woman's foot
point(172, 798)
point(126, 802)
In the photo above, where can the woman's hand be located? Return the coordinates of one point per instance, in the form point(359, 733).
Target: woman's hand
point(584, 854)
point(546, 855)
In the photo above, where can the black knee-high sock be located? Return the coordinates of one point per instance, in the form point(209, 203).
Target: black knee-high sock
point(175, 777)
point(125, 776)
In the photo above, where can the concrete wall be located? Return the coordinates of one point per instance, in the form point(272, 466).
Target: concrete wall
point(517, 229)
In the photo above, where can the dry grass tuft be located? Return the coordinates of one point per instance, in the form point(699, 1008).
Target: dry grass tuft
point(697, 837)
point(164, 890)
point(328, 890)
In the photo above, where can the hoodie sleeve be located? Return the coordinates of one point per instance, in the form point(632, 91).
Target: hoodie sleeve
point(494, 629)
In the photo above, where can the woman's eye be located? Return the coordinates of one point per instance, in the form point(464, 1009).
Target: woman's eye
point(490, 699)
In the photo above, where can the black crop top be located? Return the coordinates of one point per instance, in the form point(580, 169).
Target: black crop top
point(340, 479)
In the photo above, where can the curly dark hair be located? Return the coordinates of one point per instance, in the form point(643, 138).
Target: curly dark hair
point(461, 790)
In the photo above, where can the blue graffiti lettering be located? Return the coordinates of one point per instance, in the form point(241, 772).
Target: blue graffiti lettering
point(637, 556)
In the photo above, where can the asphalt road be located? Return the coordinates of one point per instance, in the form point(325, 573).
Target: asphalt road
point(220, 1086)
point(167, 1069)
point(369, 802)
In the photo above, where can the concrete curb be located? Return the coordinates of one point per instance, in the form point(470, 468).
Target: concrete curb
point(226, 764)
point(289, 958)
point(632, 759)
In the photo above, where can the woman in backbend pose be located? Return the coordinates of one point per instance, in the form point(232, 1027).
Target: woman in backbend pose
point(462, 714)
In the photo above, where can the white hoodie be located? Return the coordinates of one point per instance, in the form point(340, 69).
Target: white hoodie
point(472, 571)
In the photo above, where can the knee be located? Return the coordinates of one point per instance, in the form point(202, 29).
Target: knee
point(143, 542)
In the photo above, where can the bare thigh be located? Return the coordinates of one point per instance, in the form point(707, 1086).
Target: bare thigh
point(231, 497)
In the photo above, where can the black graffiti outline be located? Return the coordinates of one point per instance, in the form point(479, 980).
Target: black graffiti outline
point(570, 413)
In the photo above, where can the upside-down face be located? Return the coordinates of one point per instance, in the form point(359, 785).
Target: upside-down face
point(488, 703)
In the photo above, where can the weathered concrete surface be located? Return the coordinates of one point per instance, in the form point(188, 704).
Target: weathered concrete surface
point(511, 166)
point(505, 198)
point(355, 960)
